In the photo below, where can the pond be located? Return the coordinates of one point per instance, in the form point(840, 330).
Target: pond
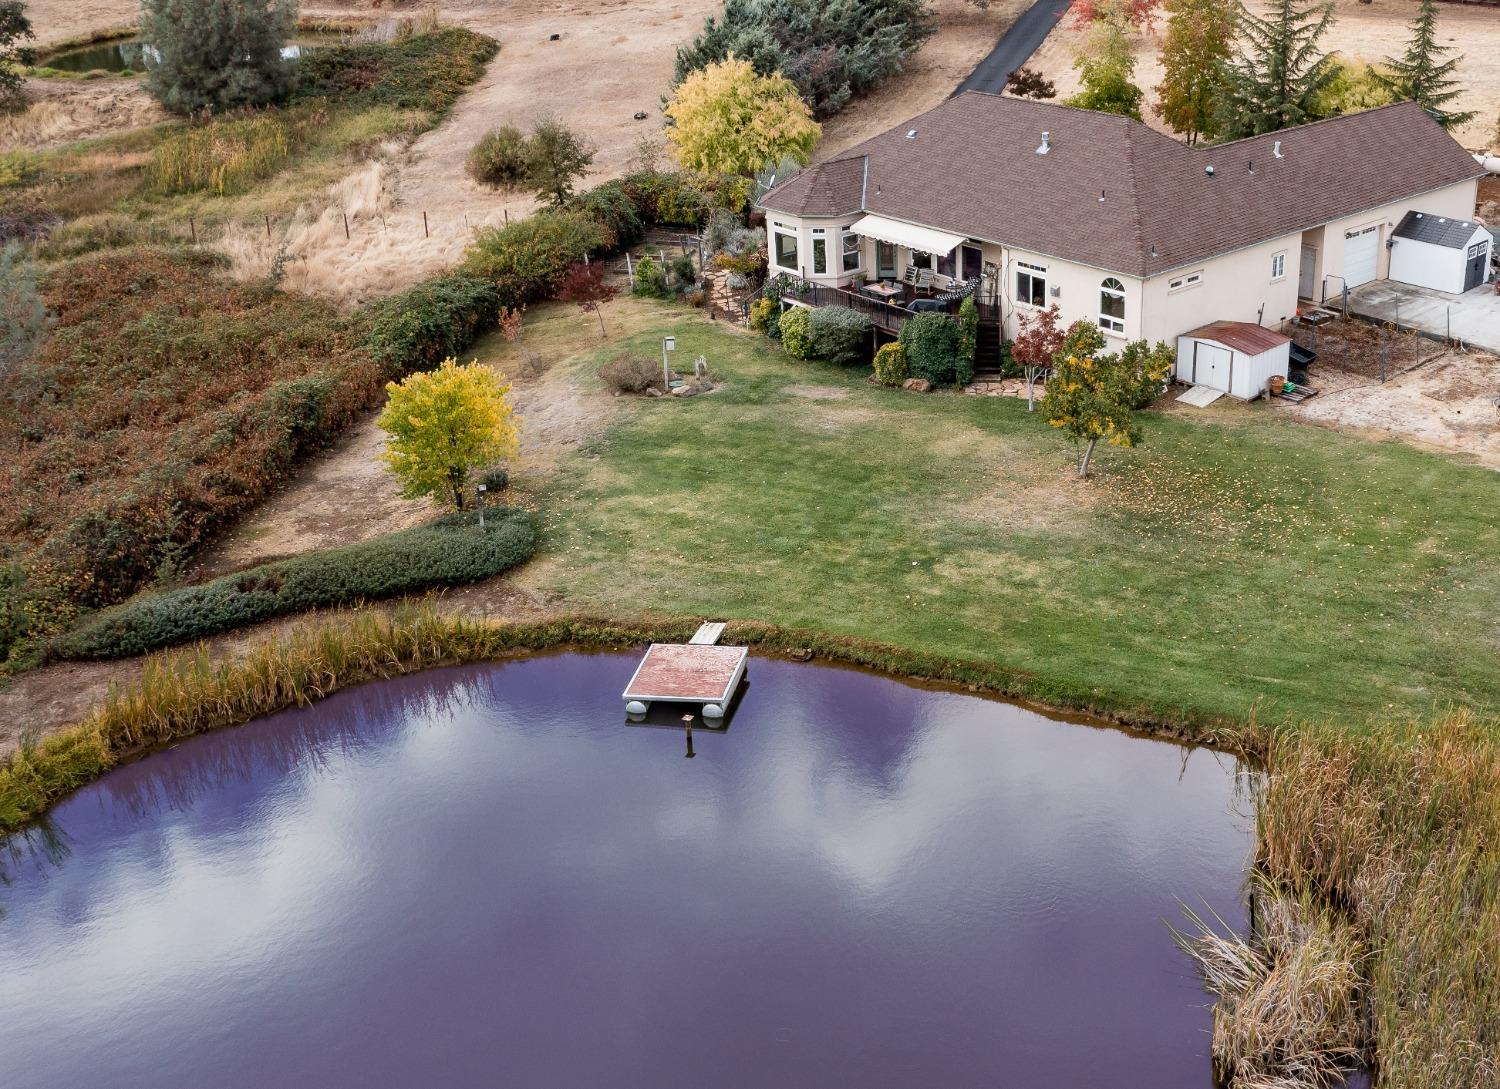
point(134, 55)
point(483, 876)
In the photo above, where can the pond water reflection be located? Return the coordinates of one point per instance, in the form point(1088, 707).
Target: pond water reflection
point(483, 877)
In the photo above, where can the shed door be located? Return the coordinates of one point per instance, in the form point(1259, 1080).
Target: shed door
point(1305, 283)
point(1360, 251)
point(1479, 264)
point(1211, 365)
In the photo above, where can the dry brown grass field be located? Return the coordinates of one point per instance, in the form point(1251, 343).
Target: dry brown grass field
point(1367, 31)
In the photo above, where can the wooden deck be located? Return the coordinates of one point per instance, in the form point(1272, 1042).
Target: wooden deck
point(687, 673)
point(888, 317)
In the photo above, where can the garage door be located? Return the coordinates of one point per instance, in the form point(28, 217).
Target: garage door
point(1360, 250)
point(1211, 365)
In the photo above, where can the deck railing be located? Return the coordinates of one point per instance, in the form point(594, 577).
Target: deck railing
point(886, 316)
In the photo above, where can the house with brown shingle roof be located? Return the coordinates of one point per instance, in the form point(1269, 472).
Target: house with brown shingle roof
point(1111, 220)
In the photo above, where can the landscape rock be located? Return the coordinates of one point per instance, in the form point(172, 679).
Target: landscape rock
point(917, 385)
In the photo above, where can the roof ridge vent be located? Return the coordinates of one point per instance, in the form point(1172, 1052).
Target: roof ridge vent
point(1046, 144)
point(911, 134)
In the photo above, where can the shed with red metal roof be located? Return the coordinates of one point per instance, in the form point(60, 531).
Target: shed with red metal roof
point(1235, 357)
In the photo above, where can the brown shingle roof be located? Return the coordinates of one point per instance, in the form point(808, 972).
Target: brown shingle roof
point(972, 169)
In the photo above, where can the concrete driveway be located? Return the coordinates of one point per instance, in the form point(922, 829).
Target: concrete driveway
point(1473, 317)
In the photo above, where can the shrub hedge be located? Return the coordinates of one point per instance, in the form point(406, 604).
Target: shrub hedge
point(650, 279)
point(931, 345)
point(796, 332)
point(499, 159)
point(429, 323)
point(840, 335)
point(890, 364)
point(528, 259)
point(610, 206)
point(452, 550)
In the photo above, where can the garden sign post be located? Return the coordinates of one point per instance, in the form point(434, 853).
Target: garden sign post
point(668, 344)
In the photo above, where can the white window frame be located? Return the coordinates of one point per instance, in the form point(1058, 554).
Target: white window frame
point(850, 247)
point(1035, 274)
point(1184, 282)
point(777, 230)
point(820, 242)
point(928, 261)
point(1108, 322)
point(1278, 266)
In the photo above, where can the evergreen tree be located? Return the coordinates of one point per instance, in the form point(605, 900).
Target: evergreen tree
point(556, 158)
point(1276, 78)
point(14, 29)
point(1198, 44)
point(1421, 74)
point(218, 54)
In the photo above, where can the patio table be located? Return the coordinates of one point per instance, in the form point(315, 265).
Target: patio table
point(884, 289)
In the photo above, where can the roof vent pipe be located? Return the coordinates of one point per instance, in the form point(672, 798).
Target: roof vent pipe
point(1046, 144)
point(1276, 151)
point(1209, 170)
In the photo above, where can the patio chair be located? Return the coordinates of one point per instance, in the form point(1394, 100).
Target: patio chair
point(925, 279)
point(959, 291)
point(909, 277)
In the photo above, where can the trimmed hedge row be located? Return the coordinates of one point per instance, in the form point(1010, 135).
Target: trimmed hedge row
point(450, 551)
point(427, 324)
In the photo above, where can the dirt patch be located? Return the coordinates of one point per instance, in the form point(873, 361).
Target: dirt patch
point(1366, 31)
point(1446, 404)
point(1361, 348)
point(819, 393)
point(64, 110)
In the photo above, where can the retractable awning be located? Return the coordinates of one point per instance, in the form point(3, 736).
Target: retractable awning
point(897, 233)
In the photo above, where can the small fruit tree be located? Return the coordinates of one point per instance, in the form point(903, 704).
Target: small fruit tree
point(1094, 397)
point(445, 424)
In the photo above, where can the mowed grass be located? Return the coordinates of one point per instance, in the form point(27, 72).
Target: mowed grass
point(1217, 572)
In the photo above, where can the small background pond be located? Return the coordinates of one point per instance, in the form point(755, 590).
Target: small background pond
point(483, 877)
point(134, 55)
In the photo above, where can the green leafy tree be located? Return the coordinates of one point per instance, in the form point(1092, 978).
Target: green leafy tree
point(1199, 40)
point(15, 28)
point(1106, 67)
point(728, 119)
point(556, 158)
point(1278, 75)
point(218, 54)
point(1093, 397)
point(24, 320)
point(1422, 75)
point(445, 424)
point(1358, 86)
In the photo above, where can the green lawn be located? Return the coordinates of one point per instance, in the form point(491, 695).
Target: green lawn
point(1248, 564)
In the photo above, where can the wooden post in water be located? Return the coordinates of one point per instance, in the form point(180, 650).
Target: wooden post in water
point(687, 725)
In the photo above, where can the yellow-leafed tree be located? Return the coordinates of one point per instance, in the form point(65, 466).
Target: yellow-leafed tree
point(727, 119)
point(445, 424)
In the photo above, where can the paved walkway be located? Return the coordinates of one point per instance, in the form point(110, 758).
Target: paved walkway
point(1015, 46)
point(1473, 317)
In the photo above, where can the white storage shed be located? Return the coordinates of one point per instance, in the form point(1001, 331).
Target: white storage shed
point(1440, 252)
point(1236, 357)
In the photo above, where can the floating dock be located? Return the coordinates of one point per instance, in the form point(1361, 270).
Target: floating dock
point(699, 671)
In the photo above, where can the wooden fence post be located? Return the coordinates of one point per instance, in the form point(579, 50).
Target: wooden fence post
point(425, 232)
point(193, 230)
point(346, 226)
point(268, 228)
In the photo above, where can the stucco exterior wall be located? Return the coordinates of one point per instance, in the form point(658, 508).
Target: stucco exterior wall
point(1074, 288)
point(1233, 287)
point(804, 228)
point(1455, 200)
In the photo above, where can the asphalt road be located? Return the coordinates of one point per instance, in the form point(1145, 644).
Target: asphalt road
point(1015, 47)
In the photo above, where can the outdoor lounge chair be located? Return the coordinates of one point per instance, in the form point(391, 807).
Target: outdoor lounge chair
point(959, 291)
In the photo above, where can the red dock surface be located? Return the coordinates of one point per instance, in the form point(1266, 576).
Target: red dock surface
point(687, 674)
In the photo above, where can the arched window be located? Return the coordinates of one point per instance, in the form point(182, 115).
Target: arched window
point(1112, 305)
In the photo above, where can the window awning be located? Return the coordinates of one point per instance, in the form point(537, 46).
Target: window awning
point(897, 233)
